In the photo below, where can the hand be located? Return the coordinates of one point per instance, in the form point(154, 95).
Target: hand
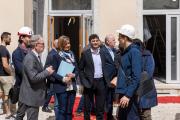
point(114, 82)
point(71, 75)
point(50, 69)
point(67, 80)
point(124, 102)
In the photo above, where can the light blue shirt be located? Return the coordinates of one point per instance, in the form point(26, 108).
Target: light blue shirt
point(97, 63)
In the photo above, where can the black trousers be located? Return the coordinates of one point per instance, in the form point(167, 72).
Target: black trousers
point(99, 91)
point(32, 112)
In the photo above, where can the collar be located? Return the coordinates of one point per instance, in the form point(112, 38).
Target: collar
point(36, 53)
point(95, 51)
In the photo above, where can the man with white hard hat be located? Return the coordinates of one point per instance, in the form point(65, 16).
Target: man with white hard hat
point(129, 74)
point(18, 55)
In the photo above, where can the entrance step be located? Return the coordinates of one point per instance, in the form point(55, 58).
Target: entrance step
point(167, 89)
point(167, 93)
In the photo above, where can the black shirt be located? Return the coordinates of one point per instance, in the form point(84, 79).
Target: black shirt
point(3, 53)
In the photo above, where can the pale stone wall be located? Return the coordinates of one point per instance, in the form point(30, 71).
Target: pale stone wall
point(111, 14)
point(12, 18)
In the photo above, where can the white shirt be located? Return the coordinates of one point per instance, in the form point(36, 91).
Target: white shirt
point(97, 63)
point(37, 55)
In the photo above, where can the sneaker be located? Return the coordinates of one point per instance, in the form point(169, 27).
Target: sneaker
point(46, 109)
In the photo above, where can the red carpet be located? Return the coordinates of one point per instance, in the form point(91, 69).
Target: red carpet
point(161, 99)
point(74, 109)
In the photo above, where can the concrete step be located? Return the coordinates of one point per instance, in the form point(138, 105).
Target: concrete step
point(167, 89)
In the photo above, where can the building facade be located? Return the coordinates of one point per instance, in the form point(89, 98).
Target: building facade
point(156, 21)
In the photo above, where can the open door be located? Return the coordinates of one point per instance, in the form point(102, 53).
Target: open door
point(86, 25)
point(50, 32)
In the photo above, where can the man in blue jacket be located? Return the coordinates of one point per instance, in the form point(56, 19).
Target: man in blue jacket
point(129, 74)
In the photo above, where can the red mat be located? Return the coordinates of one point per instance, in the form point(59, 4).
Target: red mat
point(168, 99)
point(74, 109)
point(161, 99)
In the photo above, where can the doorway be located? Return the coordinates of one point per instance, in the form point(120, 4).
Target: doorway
point(70, 27)
point(155, 37)
point(161, 34)
point(78, 28)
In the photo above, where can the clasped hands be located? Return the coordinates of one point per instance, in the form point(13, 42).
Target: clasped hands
point(68, 77)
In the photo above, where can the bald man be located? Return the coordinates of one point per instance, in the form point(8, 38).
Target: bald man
point(110, 71)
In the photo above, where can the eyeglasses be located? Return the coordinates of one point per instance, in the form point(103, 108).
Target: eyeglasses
point(41, 43)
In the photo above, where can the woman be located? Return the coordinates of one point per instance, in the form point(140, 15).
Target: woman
point(64, 87)
point(71, 88)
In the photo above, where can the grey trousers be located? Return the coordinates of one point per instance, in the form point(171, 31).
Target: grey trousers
point(32, 112)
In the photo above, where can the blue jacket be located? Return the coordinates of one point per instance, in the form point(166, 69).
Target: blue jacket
point(150, 99)
point(17, 58)
point(130, 71)
point(54, 59)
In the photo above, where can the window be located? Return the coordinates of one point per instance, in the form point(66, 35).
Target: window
point(71, 4)
point(160, 4)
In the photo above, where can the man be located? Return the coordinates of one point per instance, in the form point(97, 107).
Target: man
point(50, 92)
point(33, 86)
point(110, 71)
point(5, 71)
point(18, 55)
point(20, 52)
point(92, 77)
point(129, 74)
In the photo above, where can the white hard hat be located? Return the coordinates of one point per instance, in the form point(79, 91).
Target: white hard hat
point(127, 30)
point(25, 31)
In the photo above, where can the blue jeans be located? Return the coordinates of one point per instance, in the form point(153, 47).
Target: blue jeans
point(64, 103)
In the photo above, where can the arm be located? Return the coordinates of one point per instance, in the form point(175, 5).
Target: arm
point(150, 65)
point(32, 72)
point(135, 61)
point(6, 65)
point(17, 61)
point(81, 68)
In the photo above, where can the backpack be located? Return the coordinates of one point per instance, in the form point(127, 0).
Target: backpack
point(146, 84)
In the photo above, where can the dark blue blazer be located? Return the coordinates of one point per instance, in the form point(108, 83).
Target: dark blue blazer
point(86, 68)
point(17, 59)
point(54, 59)
point(150, 99)
point(110, 70)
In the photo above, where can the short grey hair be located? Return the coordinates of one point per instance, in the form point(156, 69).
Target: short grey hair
point(34, 40)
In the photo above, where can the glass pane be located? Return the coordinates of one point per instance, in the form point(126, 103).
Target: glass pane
point(173, 48)
point(160, 4)
point(71, 4)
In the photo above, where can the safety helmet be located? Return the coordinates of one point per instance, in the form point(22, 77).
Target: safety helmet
point(25, 31)
point(127, 30)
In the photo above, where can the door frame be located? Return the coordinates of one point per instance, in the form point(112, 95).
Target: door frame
point(168, 48)
point(84, 32)
point(168, 13)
